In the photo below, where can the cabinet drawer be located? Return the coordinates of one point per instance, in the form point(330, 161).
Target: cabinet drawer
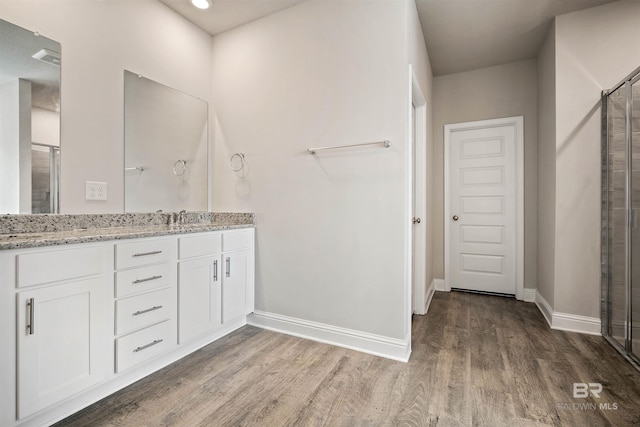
point(136, 254)
point(139, 346)
point(143, 279)
point(56, 265)
point(142, 310)
point(201, 245)
point(235, 240)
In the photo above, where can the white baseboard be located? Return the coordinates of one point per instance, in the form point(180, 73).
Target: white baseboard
point(545, 309)
point(576, 323)
point(566, 321)
point(429, 296)
point(529, 295)
point(555, 320)
point(378, 345)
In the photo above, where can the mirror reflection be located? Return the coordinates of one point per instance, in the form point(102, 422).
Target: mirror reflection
point(165, 148)
point(29, 121)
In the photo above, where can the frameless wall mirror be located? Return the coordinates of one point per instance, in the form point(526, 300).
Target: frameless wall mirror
point(166, 152)
point(29, 121)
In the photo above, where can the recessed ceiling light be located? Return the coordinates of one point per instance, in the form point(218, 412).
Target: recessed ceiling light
point(48, 56)
point(201, 4)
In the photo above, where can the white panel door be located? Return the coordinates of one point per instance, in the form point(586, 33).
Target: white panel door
point(483, 206)
point(234, 285)
point(199, 297)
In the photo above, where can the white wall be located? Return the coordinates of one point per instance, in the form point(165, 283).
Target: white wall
point(15, 146)
point(595, 49)
point(24, 141)
point(330, 228)
point(502, 91)
point(547, 167)
point(10, 147)
point(100, 39)
point(419, 59)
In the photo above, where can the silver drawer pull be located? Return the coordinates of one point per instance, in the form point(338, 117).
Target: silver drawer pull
point(146, 280)
point(31, 304)
point(151, 344)
point(228, 267)
point(147, 253)
point(154, 308)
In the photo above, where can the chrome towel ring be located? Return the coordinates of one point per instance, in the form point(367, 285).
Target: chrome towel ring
point(237, 162)
point(179, 167)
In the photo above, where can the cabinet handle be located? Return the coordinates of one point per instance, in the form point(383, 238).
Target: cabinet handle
point(151, 344)
point(146, 280)
point(31, 305)
point(155, 307)
point(215, 270)
point(147, 253)
point(228, 267)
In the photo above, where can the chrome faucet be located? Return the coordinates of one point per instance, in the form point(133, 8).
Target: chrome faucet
point(178, 218)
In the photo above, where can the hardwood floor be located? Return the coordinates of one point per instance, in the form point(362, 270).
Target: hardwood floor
point(476, 360)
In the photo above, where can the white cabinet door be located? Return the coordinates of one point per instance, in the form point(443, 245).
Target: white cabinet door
point(60, 336)
point(234, 285)
point(198, 296)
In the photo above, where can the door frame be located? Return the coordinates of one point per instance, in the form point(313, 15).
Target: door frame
point(417, 270)
point(518, 124)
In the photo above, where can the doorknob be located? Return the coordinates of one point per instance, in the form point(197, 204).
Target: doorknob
point(416, 220)
point(455, 217)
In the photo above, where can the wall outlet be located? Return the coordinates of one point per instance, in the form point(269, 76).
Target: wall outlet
point(96, 190)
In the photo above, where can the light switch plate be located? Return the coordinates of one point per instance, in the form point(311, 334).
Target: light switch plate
point(96, 190)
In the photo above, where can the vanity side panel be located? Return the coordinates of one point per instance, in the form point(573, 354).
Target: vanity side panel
point(7, 338)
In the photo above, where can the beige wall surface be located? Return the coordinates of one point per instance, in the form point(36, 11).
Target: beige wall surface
point(546, 167)
point(330, 228)
point(10, 146)
point(502, 91)
point(100, 39)
point(595, 49)
point(419, 59)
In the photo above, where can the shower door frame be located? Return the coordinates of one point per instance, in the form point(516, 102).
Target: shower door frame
point(625, 350)
point(54, 176)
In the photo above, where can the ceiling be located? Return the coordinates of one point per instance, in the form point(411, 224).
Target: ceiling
point(464, 35)
point(224, 15)
point(461, 35)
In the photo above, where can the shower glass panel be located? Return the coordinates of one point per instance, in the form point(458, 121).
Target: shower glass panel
point(621, 216)
point(45, 178)
point(635, 219)
point(616, 213)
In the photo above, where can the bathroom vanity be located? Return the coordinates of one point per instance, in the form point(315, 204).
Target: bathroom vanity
point(86, 312)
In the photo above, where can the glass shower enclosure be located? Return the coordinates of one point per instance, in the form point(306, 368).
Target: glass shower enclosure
point(621, 216)
point(45, 178)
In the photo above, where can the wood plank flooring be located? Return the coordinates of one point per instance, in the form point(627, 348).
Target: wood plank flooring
point(476, 360)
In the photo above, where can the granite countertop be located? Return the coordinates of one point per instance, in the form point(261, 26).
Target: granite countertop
point(102, 230)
